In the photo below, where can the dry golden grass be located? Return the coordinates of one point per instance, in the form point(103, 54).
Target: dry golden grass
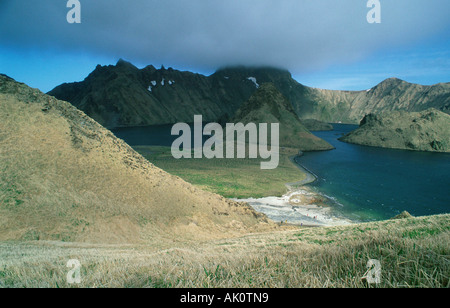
point(413, 253)
point(64, 177)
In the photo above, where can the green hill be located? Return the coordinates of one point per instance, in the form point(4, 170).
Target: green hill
point(428, 130)
point(268, 105)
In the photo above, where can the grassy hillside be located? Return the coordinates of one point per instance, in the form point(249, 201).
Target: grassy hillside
point(64, 177)
point(428, 130)
point(412, 252)
point(315, 125)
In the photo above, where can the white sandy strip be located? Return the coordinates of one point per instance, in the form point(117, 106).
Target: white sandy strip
point(289, 209)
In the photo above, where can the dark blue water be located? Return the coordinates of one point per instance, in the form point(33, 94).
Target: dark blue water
point(374, 183)
point(157, 135)
point(366, 183)
point(146, 135)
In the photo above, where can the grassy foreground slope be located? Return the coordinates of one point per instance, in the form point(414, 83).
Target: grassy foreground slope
point(65, 177)
point(413, 252)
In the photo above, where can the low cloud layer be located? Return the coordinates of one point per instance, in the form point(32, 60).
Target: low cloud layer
point(299, 35)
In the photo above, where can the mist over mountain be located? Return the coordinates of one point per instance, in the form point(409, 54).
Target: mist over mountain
point(123, 95)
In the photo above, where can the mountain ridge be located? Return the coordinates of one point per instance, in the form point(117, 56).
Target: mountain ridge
point(124, 95)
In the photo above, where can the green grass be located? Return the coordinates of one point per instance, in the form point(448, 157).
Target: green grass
point(9, 192)
point(231, 178)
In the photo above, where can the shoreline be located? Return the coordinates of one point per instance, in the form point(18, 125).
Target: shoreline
point(299, 206)
point(310, 176)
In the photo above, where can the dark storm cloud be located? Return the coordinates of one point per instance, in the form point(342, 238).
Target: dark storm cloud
point(206, 34)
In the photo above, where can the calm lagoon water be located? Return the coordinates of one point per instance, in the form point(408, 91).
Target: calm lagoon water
point(364, 183)
point(159, 135)
point(373, 183)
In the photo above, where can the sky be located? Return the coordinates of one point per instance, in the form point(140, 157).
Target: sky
point(324, 43)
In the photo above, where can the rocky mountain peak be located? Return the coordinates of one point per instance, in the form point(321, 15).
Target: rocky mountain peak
point(123, 63)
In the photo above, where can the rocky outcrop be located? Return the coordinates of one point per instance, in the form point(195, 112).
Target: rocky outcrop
point(428, 130)
point(402, 215)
